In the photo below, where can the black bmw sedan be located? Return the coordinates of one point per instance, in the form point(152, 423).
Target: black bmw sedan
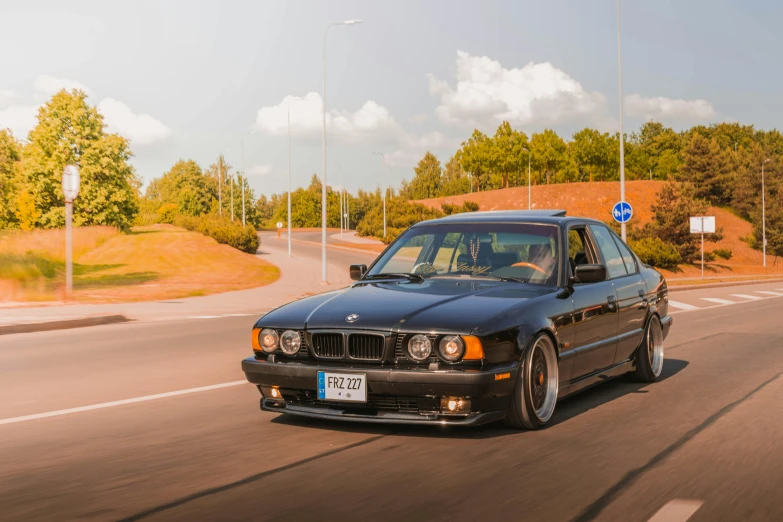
point(468, 319)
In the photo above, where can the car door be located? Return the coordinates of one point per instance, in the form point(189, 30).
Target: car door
point(595, 311)
point(632, 300)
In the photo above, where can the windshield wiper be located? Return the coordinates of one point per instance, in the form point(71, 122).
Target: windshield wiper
point(505, 279)
point(394, 275)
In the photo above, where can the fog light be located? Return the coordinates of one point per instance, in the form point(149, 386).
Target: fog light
point(454, 405)
point(276, 393)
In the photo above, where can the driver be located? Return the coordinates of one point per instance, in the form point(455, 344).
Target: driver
point(541, 256)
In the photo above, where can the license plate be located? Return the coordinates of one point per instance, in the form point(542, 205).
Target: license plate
point(348, 387)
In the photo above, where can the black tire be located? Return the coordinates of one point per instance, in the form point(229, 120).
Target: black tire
point(649, 354)
point(534, 397)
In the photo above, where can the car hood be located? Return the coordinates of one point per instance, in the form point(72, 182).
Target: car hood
point(446, 305)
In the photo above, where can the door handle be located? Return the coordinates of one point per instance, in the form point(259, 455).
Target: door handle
point(643, 304)
point(612, 300)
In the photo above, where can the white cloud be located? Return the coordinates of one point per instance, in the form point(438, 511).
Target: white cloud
point(668, 109)
point(537, 94)
point(418, 119)
point(413, 148)
point(259, 170)
point(140, 129)
point(20, 119)
point(7, 97)
point(371, 122)
point(49, 85)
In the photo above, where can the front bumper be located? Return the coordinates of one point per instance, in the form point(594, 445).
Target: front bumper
point(419, 390)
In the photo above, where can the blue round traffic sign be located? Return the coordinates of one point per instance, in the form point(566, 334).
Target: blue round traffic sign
point(622, 211)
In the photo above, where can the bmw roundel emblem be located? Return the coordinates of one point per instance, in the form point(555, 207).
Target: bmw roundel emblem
point(351, 318)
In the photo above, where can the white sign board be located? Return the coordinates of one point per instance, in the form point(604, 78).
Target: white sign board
point(707, 222)
point(279, 224)
point(71, 182)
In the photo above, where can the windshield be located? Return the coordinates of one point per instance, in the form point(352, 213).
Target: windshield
point(520, 251)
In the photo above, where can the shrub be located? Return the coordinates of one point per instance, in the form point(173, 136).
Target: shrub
point(656, 252)
point(222, 230)
point(468, 206)
point(167, 213)
point(400, 215)
point(723, 253)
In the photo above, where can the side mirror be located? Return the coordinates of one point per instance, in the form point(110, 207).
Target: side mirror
point(358, 271)
point(589, 273)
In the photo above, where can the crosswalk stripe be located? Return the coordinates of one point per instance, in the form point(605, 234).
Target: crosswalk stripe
point(776, 294)
point(677, 510)
point(746, 296)
point(683, 306)
point(717, 300)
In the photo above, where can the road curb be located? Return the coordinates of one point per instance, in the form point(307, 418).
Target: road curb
point(340, 247)
point(678, 288)
point(64, 324)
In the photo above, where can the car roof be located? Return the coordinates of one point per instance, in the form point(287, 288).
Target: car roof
point(550, 217)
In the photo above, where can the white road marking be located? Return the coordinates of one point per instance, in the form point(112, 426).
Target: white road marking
point(203, 317)
point(122, 402)
point(776, 294)
point(746, 296)
point(718, 300)
point(682, 306)
point(677, 510)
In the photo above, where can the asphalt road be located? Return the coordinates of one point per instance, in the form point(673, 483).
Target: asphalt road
point(708, 435)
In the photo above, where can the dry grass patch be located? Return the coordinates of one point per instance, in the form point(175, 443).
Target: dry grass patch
point(158, 262)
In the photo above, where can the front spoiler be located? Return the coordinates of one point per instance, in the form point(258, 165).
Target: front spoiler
point(473, 419)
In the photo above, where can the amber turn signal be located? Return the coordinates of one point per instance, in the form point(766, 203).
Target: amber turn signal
point(254, 340)
point(473, 349)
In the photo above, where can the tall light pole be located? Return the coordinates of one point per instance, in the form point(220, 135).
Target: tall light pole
point(622, 137)
point(763, 215)
point(288, 108)
point(342, 180)
point(383, 159)
point(323, 152)
point(244, 174)
point(528, 175)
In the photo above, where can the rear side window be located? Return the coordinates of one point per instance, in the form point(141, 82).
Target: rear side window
point(625, 252)
point(615, 266)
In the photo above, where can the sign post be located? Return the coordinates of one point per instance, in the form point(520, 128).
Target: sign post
point(702, 225)
point(622, 212)
point(71, 181)
point(279, 228)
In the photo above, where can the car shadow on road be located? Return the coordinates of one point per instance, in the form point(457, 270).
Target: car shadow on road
point(608, 391)
point(566, 410)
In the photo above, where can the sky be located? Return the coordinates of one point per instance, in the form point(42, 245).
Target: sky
point(193, 79)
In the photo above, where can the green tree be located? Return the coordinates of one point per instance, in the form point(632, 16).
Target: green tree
point(426, 182)
point(186, 186)
point(594, 151)
point(10, 157)
point(707, 167)
point(26, 214)
point(507, 153)
point(549, 154)
point(475, 157)
point(676, 204)
point(455, 181)
point(70, 131)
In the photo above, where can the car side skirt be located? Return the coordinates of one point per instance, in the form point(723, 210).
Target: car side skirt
point(595, 378)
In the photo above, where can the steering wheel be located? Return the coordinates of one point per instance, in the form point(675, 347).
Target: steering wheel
point(531, 265)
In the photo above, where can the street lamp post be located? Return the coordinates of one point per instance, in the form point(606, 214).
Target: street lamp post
point(323, 151)
point(244, 174)
point(342, 181)
point(622, 138)
point(288, 108)
point(763, 215)
point(528, 175)
point(383, 159)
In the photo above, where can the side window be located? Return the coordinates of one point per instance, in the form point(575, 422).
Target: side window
point(615, 266)
point(625, 252)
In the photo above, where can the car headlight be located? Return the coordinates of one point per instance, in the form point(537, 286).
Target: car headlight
point(451, 348)
point(290, 342)
point(268, 339)
point(419, 347)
